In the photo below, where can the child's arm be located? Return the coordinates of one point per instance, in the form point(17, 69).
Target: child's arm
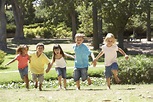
point(11, 61)
point(123, 53)
point(93, 58)
point(49, 66)
point(68, 55)
point(97, 57)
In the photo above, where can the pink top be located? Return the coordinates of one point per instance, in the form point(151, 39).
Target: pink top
point(22, 61)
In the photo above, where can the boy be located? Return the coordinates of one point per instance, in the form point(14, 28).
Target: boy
point(37, 62)
point(82, 53)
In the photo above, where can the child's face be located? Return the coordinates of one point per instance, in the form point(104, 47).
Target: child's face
point(57, 51)
point(79, 40)
point(40, 49)
point(24, 51)
point(110, 41)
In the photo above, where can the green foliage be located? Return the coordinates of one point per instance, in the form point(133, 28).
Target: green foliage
point(2, 56)
point(10, 28)
point(137, 69)
point(62, 31)
point(29, 33)
point(85, 18)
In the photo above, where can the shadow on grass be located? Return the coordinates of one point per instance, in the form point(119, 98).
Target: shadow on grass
point(3, 68)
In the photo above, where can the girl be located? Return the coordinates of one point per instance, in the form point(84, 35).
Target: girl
point(110, 50)
point(60, 64)
point(23, 59)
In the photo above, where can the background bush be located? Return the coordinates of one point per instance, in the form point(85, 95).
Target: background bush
point(138, 69)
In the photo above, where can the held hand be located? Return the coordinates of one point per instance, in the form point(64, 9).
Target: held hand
point(47, 70)
point(126, 57)
point(94, 63)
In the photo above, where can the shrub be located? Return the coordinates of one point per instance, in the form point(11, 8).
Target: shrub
point(29, 33)
point(137, 69)
point(2, 55)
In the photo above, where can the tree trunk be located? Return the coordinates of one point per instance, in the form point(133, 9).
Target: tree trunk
point(148, 23)
point(100, 33)
point(95, 27)
point(19, 19)
point(120, 38)
point(3, 45)
point(73, 16)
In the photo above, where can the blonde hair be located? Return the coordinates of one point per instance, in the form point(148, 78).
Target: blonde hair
point(108, 36)
point(80, 35)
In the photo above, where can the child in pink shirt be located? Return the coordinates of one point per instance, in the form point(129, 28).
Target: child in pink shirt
point(22, 57)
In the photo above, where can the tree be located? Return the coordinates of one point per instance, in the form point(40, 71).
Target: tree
point(3, 44)
point(20, 7)
point(95, 27)
point(61, 11)
point(117, 13)
point(18, 11)
point(148, 21)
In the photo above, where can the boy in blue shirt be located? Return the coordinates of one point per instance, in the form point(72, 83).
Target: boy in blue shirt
point(82, 53)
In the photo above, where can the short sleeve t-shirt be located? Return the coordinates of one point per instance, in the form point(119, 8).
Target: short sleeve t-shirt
point(110, 54)
point(37, 64)
point(22, 61)
point(82, 53)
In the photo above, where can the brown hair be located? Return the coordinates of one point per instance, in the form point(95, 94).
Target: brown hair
point(57, 46)
point(20, 49)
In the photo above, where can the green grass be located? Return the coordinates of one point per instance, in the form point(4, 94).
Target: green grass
point(11, 74)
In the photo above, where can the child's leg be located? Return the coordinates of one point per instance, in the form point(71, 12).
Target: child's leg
point(41, 79)
point(40, 86)
point(89, 81)
point(64, 82)
point(78, 84)
point(108, 82)
point(59, 81)
point(115, 73)
point(36, 83)
point(26, 80)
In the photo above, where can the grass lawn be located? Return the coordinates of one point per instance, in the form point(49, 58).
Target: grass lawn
point(119, 93)
point(11, 74)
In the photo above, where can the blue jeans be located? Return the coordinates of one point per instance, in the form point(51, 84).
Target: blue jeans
point(23, 72)
point(61, 72)
point(108, 69)
point(80, 73)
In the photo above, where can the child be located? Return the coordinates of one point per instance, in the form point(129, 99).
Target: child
point(60, 64)
point(82, 53)
point(37, 62)
point(110, 50)
point(23, 59)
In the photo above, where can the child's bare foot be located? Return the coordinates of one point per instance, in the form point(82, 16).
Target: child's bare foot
point(78, 88)
point(89, 81)
point(108, 88)
point(40, 89)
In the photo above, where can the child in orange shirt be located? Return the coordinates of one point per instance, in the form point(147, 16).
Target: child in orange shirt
point(23, 59)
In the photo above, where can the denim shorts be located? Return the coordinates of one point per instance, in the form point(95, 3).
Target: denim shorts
point(108, 69)
point(61, 72)
point(23, 71)
point(40, 77)
point(80, 73)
